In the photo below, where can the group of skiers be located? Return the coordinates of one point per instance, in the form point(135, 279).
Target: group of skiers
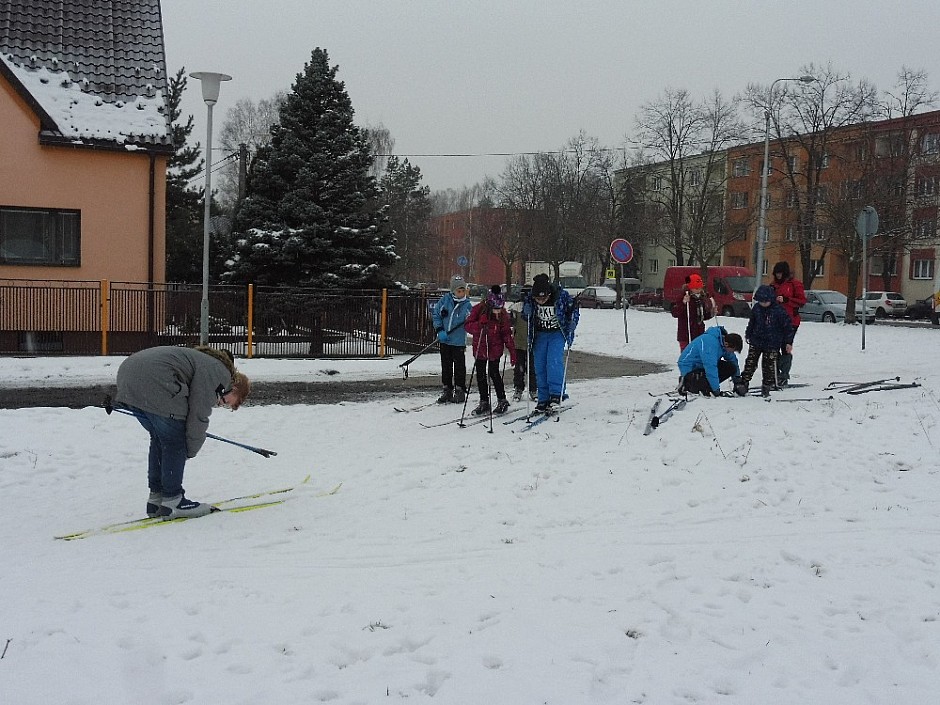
point(548, 315)
point(707, 358)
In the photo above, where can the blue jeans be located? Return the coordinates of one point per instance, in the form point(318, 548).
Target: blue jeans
point(548, 357)
point(167, 458)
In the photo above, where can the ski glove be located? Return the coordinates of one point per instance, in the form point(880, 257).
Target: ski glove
point(442, 336)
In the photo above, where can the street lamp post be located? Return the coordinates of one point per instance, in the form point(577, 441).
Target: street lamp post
point(762, 219)
point(210, 95)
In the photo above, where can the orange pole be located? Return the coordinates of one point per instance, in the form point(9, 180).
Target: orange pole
point(251, 318)
point(105, 314)
point(383, 323)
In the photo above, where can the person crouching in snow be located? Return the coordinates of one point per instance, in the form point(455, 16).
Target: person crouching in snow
point(708, 361)
point(489, 325)
point(552, 316)
point(172, 392)
point(769, 331)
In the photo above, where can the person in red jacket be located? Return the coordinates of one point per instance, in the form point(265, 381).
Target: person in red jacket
point(790, 295)
point(692, 310)
point(489, 325)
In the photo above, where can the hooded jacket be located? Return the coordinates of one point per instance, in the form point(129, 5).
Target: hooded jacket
point(492, 333)
point(176, 383)
point(700, 308)
point(450, 315)
point(770, 328)
point(565, 311)
point(792, 291)
point(704, 352)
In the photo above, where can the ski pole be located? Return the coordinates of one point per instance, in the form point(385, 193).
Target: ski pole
point(414, 357)
point(108, 407)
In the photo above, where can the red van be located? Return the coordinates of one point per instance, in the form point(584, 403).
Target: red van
point(731, 287)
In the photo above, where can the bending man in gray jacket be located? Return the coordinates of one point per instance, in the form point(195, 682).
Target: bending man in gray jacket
point(172, 392)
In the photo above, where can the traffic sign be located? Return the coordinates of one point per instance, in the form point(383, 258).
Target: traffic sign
point(462, 261)
point(621, 251)
point(866, 224)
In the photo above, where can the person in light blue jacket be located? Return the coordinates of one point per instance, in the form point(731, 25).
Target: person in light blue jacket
point(708, 361)
point(449, 315)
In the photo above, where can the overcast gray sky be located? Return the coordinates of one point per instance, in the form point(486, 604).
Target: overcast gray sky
point(484, 77)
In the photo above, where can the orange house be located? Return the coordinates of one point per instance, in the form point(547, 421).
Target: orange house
point(84, 140)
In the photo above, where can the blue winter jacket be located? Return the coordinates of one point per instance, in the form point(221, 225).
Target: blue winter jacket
point(704, 352)
point(450, 315)
point(566, 311)
point(770, 328)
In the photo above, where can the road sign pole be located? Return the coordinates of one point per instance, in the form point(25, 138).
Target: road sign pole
point(623, 305)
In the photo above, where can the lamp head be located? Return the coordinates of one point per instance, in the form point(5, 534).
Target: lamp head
point(210, 84)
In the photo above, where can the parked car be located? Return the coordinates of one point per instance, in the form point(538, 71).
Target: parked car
point(829, 307)
point(597, 297)
point(647, 296)
point(883, 303)
point(921, 309)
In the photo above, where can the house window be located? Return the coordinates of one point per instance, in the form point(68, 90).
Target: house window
point(792, 201)
point(792, 232)
point(926, 185)
point(38, 236)
point(922, 269)
point(824, 162)
point(822, 233)
point(794, 164)
point(925, 229)
point(653, 266)
point(695, 177)
point(657, 183)
point(770, 166)
point(741, 167)
point(818, 266)
point(878, 268)
point(739, 199)
point(931, 143)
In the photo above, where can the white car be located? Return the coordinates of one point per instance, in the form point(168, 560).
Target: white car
point(883, 303)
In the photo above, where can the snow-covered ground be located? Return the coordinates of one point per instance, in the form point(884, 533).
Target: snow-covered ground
point(745, 552)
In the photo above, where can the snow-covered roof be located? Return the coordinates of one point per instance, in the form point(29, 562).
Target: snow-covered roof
point(94, 70)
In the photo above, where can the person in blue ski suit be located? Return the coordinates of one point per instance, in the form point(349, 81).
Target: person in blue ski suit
point(769, 332)
point(709, 360)
point(449, 315)
point(552, 316)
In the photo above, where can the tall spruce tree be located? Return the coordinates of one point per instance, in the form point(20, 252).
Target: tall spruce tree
point(184, 209)
point(310, 216)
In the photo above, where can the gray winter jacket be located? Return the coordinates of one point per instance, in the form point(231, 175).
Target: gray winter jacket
point(178, 383)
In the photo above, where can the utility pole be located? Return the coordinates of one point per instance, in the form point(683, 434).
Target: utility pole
point(242, 170)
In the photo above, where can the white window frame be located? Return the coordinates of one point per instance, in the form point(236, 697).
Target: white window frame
point(741, 167)
point(930, 144)
point(818, 266)
point(922, 269)
point(653, 266)
point(739, 200)
point(792, 231)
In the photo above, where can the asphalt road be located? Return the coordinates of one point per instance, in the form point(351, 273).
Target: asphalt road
point(581, 365)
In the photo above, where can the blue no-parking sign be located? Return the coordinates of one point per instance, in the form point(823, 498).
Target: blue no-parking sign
point(621, 251)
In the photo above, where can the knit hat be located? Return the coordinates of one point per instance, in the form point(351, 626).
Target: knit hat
point(495, 298)
point(782, 268)
point(695, 282)
point(457, 282)
point(541, 286)
point(764, 293)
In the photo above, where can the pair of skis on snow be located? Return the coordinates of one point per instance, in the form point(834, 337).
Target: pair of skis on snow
point(875, 385)
point(244, 503)
point(656, 418)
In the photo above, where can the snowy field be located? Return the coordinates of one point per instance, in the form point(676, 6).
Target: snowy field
point(745, 552)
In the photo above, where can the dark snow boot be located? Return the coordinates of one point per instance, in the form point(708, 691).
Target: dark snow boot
point(460, 395)
point(482, 408)
point(153, 504)
point(179, 506)
point(502, 406)
point(447, 396)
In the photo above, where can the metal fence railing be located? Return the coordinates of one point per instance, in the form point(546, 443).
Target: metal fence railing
point(119, 318)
